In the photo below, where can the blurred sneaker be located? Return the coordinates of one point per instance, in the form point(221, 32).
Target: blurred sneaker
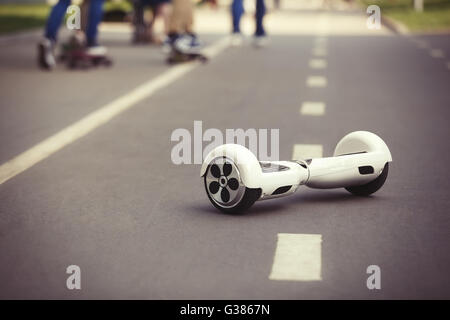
point(195, 43)
point(97, 51)
point(46, 55)
point(261, 41)
point(187, 44)
point(236, 39)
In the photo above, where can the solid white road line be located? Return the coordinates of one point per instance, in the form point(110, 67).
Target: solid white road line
point(317, 63)
point(99, 117)
point(217, 47)
point(298, 257)
point(437, 53)
point(316, 82)
point(312, 108)
point(307, 151)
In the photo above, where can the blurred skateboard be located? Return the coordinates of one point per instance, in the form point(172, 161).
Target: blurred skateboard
point(76, 55)
point(180, 57)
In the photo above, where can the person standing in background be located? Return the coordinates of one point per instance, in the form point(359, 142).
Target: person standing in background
point(143, 32)
point(237, 10)
point(181, 36)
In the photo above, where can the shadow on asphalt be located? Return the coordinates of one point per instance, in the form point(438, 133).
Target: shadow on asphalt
point(328, 196)
point(259, 208)
point(276, 206)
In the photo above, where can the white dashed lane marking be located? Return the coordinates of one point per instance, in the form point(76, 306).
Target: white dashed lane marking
point(317, 63)
point(298, 257)
point(316, 82)
point(321, 40)
point(307, 151)
point(422, 44)
point(437, 53)
point(312, 108)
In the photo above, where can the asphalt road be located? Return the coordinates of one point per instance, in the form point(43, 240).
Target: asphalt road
point(139, 226)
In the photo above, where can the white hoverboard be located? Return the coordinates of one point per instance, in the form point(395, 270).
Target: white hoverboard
point(234, 178)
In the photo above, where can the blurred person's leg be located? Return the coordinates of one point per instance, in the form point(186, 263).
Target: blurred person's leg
point(138, 12)
point(55, 18)
point(46, 55)
point(84, 8)
point(182, 17)
point(181, 27)
point(138, 21)
point(260, 12)
point(164, 10)
point(149, 27)
point(94, 18)
point(237, 10)
point(161, 9)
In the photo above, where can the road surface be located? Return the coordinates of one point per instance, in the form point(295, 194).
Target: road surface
point(113, 203)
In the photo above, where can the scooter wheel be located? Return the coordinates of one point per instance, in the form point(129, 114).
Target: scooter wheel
point(225, 189)
point(371, 187)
